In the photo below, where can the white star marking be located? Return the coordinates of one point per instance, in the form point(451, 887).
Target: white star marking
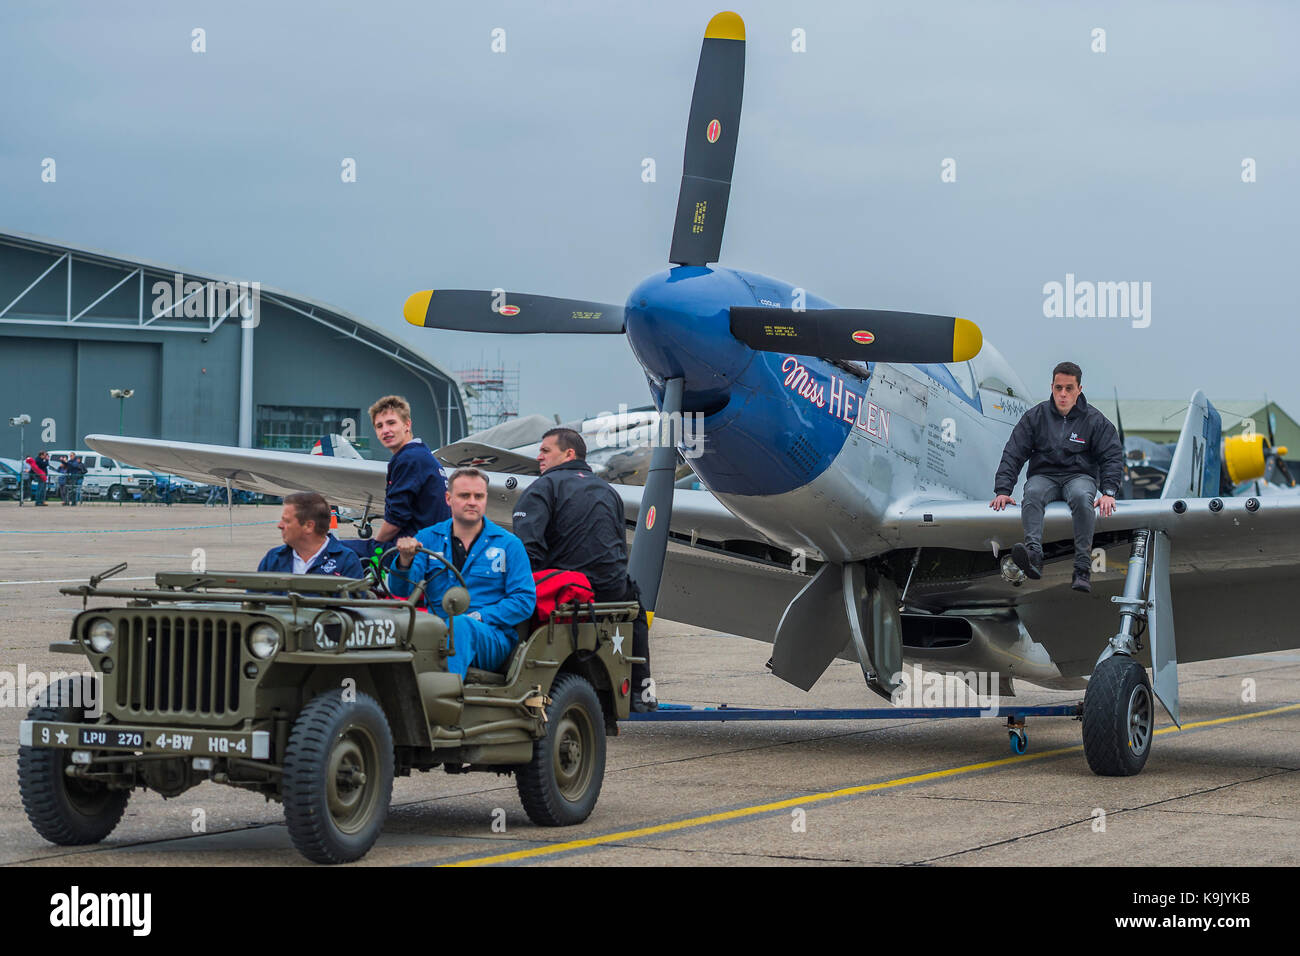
point(618, 641)
point(63, 736)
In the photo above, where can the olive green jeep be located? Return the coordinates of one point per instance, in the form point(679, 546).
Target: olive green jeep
point(298, 688)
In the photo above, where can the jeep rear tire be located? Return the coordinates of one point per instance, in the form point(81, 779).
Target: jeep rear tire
point(67, 811)
point(561, 784)
point(338, 777)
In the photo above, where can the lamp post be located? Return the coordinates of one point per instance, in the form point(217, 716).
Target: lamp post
point(121, 394)
point(18, 421)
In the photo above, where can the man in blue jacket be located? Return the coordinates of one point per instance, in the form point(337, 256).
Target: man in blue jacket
point(492, 561)
point(308, 547)
point(416, 496)
point(1073, 451)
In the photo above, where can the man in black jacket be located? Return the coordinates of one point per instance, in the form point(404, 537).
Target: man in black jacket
point(571, 519)
point(1071, 449)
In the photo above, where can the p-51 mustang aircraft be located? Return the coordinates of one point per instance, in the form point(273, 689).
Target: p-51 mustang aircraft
point(848, 458)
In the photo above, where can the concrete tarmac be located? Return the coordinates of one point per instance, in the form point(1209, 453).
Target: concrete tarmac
point(1221, 791)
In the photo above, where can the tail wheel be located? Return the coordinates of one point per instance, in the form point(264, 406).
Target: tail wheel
point(1118, 718)
point(338, 777)
point(64, 810)
point(561, 784)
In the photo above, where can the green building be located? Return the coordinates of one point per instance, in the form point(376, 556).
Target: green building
point(204, 358)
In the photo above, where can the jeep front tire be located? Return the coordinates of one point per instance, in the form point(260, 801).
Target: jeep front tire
point(68, 811)
point(338, 777)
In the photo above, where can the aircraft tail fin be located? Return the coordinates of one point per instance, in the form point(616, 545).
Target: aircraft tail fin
point(335, 446)
point(1197, 464)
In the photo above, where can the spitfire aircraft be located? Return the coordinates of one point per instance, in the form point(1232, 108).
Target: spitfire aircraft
point(847, 464)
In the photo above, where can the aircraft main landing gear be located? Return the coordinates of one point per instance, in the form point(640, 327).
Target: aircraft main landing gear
point(1119, 708)
point(1118, 718)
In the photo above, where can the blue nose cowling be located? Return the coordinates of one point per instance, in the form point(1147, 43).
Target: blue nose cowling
point(679, 326)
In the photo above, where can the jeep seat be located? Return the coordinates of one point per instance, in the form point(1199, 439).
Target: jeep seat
point(476, 675)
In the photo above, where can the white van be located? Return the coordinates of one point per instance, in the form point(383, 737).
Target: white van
point(105, 478)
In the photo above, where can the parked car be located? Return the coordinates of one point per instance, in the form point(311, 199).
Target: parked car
point(11, 470)
point(177, 488)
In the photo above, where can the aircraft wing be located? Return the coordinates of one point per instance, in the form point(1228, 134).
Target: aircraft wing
point(351, 482)
point(356, 482)
point(1200, 538)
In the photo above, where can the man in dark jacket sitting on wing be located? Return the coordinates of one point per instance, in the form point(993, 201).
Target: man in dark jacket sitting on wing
point(1072, 449)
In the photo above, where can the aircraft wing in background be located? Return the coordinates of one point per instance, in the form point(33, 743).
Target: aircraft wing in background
point(351, 482)
point(357, 483)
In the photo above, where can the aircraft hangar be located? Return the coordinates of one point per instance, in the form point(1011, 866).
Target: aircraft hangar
point(204, 358)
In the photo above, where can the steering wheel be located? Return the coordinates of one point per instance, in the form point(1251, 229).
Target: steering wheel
point(423, 550)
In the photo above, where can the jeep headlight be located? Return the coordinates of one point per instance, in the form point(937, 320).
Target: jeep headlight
point(100, 634)
point(263, 641)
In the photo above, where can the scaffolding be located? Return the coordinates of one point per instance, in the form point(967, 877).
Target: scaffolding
point(492, 395)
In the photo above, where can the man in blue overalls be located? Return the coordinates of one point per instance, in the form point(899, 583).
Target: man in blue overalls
point(416, 494)
point(308, 547)
point(492, 561)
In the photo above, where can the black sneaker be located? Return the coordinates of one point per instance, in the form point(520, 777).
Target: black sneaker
point(1082, 581)
point(1031, 562)
point(640, 706)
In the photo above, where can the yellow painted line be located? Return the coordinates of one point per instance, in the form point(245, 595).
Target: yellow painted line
point(1228, 720)
point(742, 812)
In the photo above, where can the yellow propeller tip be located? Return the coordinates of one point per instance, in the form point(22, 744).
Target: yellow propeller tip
point(725, 26)
point(417, 308)
point(967, 340)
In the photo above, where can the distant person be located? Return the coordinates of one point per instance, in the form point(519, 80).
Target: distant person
point(38, 469)
point(416, 494)
point(74, 470)
point(1071, 448)
point(571, 519)
point(308, 547)
point(492, 561)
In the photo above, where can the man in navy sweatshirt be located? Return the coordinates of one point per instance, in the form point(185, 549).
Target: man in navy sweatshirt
point(416, 496)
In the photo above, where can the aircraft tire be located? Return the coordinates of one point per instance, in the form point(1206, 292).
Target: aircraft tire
point(1118, 718)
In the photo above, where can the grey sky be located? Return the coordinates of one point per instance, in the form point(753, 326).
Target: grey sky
point(523, 169)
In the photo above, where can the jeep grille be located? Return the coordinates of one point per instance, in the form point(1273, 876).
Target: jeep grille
point(175, 664)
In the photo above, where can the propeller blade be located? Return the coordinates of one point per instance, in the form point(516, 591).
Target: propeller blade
point(1119, 420)
point(865, 335)
point(650, 543)
point(473, 310)
point(710, 143)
